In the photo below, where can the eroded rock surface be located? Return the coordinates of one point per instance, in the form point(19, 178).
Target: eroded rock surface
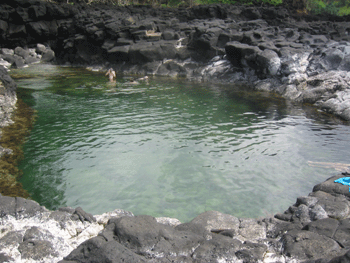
point(8, 97)
point(304, 58)
point(315, 229)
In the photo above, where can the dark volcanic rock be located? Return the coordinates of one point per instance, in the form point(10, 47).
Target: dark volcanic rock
point(210, 237)
point(305, 59)
point(326, 227)
point(330, 187)
point(216, 237)
point(308, 245)
point(98, 249)
point(19, 207)
point(342, 233)
point(80, 214)
point(242, 54)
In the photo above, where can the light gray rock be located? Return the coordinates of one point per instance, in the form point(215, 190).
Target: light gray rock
point(317, 212)
point(306, 200)
point(302, 214)
point(332, 58)
point(269, 61)
point(48, 56)
point(21, 52)
point(335, 206)
point(215, 220)
point(7, 51)
point(251, 229)
point(40, 48)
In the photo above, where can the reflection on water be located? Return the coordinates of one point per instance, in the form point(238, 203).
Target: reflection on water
point(169, 148)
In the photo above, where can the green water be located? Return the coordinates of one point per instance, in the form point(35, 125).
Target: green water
point(169, 148)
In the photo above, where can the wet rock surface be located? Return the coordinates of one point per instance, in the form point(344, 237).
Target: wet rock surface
point(315, 229)
point(304, 58)
point(8, 99)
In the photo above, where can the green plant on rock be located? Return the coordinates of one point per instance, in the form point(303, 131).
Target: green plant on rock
point(13, 137)
point(340, 7)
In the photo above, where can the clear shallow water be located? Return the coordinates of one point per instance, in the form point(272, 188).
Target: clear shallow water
point(169, 148)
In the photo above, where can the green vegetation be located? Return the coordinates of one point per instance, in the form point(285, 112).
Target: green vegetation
point(13, 137)
point(246, 2)
point(338, 7)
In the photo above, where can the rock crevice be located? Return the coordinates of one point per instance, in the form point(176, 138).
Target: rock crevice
point(314, 229)
point(303, 58)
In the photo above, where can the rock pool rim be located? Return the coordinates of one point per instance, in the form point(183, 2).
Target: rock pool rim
point(270, 48)
point(297, 217)
point(294, 216)
point(209, 237)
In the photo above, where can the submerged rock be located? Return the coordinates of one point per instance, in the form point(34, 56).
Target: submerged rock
point(268, 48)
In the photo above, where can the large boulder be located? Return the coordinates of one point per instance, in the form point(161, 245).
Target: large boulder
point(19, 207)
point(331, 187)
point(308, 245)
point(269, 62)
point(242, 55)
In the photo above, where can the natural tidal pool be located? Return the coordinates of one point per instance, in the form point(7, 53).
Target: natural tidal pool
point(169, 147)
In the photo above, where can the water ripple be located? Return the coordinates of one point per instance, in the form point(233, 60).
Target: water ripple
point(173, 149)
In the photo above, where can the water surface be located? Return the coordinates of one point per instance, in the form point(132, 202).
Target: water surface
point(170, 148)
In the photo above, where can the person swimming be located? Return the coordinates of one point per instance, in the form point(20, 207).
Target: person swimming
point(111, 74)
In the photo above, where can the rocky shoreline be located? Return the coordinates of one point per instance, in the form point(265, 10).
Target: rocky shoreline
point(306, 59)
point(314, 230)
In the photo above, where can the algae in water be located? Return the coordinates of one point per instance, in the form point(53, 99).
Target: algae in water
point(13, 138)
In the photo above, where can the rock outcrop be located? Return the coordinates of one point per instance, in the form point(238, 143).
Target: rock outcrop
point(314, 229)
point(8, 97)
point(20, 57)
point(304, 58)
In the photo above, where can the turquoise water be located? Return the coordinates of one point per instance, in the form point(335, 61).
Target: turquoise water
point(170, 148)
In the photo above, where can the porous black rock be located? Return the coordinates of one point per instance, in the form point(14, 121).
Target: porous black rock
point(213, 236)
point(304, 58)
point(210, 237)
point(19, 207)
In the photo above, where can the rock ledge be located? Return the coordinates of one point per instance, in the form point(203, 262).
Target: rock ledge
point(316, 229)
